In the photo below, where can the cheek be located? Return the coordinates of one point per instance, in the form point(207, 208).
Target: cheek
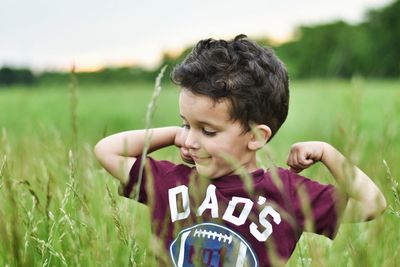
point(222, 145)
point(215, 147)
point(233, 151)
point(223, 154)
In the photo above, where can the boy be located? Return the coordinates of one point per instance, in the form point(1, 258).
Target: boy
point(225, 211)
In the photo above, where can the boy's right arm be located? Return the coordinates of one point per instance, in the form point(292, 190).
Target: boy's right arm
point(118, 152)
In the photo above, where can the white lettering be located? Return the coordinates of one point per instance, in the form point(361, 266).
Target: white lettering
point(268, 210)
point(228, 215)
point(209, 202)
point(172, 197)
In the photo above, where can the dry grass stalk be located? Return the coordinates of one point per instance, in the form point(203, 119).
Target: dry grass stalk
point(149, 115)
point(395, 191)
point(73, 96)
point(122, 233)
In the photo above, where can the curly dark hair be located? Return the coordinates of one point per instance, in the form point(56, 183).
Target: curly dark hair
point(250, 76)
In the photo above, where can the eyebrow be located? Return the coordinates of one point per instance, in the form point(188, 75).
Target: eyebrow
point(202, 122)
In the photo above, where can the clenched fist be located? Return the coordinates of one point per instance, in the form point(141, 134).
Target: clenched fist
point(303, 155)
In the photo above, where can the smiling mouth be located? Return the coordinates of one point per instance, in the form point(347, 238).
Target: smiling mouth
point(198, 158)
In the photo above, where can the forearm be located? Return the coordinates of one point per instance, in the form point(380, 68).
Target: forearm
point(131, 143)
point(118, 152)
point(366, 201)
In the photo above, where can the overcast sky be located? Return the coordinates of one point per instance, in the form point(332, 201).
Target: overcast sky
point(46, 34)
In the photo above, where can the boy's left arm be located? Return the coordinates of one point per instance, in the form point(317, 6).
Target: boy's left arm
point(365, 200)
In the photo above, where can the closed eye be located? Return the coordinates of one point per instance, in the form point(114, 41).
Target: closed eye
point(204, 131)
point(208, 133)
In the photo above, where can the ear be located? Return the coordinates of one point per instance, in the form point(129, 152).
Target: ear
point(260, 135)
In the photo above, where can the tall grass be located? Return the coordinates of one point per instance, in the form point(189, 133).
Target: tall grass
point(149, 116)
point(60, 208)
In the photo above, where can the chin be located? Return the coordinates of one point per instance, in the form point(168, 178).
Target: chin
point(203, 171)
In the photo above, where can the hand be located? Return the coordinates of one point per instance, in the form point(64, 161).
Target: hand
point(303, 155)
point(180, 143)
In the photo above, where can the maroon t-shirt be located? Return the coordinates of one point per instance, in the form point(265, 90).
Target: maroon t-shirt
point(232, 220)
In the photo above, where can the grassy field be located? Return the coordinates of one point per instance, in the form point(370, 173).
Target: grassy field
point(60, 208)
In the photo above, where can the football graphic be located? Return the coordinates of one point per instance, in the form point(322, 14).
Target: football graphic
point(211, 245)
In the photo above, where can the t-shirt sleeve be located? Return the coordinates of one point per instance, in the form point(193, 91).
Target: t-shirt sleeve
point(152, 172)
point(316, 205)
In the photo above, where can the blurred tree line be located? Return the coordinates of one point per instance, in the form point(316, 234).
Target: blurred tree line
point(337, 49)
point(10, 76)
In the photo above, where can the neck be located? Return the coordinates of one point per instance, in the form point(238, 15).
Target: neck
point(249, 166)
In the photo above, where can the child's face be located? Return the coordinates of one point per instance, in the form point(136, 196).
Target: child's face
point(210, 135)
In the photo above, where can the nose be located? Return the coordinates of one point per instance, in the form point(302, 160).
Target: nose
point(191, 140)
